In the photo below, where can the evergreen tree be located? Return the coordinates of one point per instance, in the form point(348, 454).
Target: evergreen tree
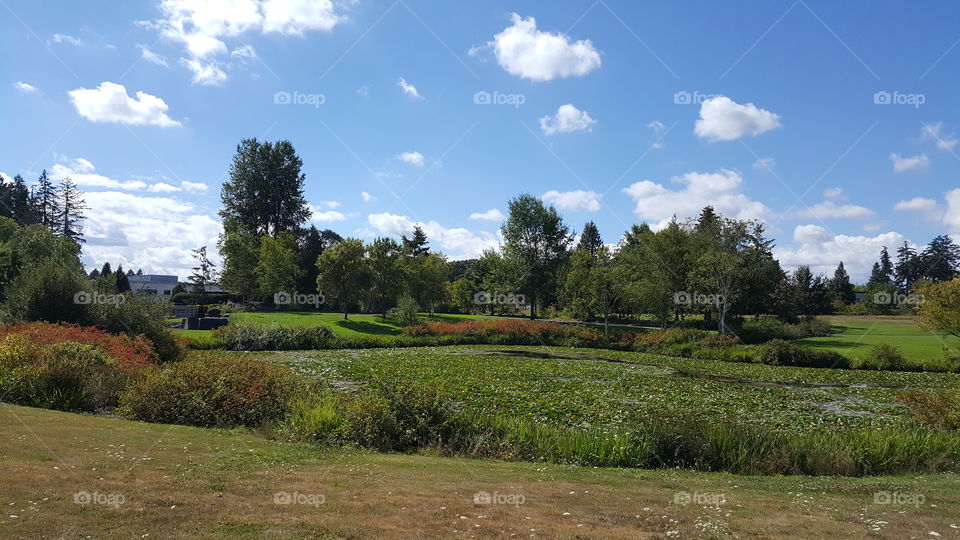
point(590, 239)
point(94, 274)
point(939, 260)
point(105, 270)
point(46, 202)
point(417, 245)
point(123, 284)
point(907, 270)
point(203, 273)
point(840, 288)
point(71, 206)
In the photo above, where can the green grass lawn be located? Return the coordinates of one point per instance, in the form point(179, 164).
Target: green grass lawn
point(856, 335)
point(580, 387)
point(355, 325)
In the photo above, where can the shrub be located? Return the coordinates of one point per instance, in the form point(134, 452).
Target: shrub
point(130, 353)
point(782, 353)
point(881, 357)
point(263, 337)
point(213, 312)
point(138, 315)
point(65, 376)
point(407, 311)
point(46, 292)
point(211, 391)
point(315, 418)
point(940, 410)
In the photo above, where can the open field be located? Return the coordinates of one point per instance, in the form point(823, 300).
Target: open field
point(855, 335)
point(181, 482)
point(579, 387)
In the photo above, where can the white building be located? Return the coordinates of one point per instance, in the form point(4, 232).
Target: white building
point(161, 286)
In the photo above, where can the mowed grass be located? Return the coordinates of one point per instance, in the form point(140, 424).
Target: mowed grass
point(356, 325)
point(182, 482)
point(856, 335)
point(584, 388)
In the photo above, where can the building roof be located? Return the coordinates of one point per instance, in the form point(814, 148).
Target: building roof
point(152, 278)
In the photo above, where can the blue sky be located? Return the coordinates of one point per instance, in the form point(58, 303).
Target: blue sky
point(835, 123)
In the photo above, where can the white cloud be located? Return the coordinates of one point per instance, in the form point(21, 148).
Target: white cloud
point(659, 129)
point(82, 172)
point(951, 217)
point(327, 217)
point(408, 88)
point(490, 215)
point(832, 210)
point(367, 197)
point(458, 243)
point(934, 132)
point(568, 119)
point(917, 203)
point(328, 204)
point(529, 53)
point(906, 163)
point(722, 119)
point(163, 187)
point(413, 158)
point(811, 234)
point(201, 27)
point(152, 57)
point(205, 73)
point(720, 190)
point(765, 164)
point(109, 102)
point(5, 178)
point(573, 200)
point(858, 253)
point(246, 51)
point(24, 87)
point(193, 187)
point(66, 38)
point(834, 193)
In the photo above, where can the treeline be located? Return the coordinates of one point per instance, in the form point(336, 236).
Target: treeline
point(60, 208)
point(714, 266)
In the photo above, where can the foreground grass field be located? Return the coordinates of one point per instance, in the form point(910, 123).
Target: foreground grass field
point(856, 335)
point(180, 482)
point(581, 387)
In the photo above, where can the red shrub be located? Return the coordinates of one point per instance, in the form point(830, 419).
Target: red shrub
point(513, 328)
point(130, 353)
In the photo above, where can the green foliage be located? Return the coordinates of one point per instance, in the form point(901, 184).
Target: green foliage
point(407, 311)
point(782, 353)
point(212, 391)
point(47, 292)
point(344, 273)
point(397, 416)
point(883, 356)
point(139, 315)
point(262, 337)
point(941, 409)
point(277, 269)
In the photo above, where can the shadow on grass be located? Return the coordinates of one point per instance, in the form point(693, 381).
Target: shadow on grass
point(365, 327)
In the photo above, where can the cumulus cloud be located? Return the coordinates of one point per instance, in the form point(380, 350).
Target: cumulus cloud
point(834, 193)
point(367, 197)
point(413, 158)
point(201, 27)
point(408, 88)
point(568, 119)
point(935, 132)
point(573, 200)
point(83, 173)
point(24, 87)
point(533, 54)
point(194, 187)
point(825, 251)
point(490, 215)
point(722, 119)
point(920, 204)
point(152, 57)
point(832, 210)
point(720, 190)
point(109, 102)
point(906, 163)
point(457, 242)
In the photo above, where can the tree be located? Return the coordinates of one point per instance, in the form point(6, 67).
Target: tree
point(105, 270)
point(462, 294)
point(277, 270)
point(882, 272)
point(15, 201)
point(203, 274)
point(386, 274)
point(840, 289)
point(344, 273)
point(46, 202)
point(72, 207)
point(907, 270)
point(426, 276)
point(123, 284)
point(940, 309)
point(536, 241)
point(808, 291)
point(240, 249)
point(265, 192)
point(939, 260)
point(590, 239)
point(417, 244)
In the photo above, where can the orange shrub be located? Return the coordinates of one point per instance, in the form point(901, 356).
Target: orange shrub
point(130, 353)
